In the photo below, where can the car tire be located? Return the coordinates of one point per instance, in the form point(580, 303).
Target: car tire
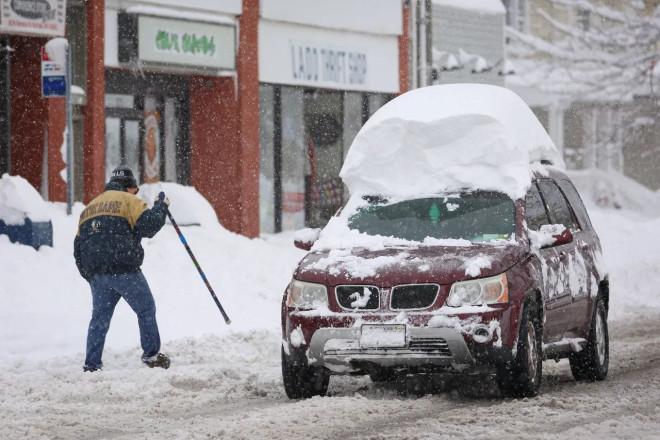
point(592, 363)
point(302, 381)
point(522, 377)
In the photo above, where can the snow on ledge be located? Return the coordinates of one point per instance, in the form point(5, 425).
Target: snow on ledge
point(449, 138)
point(484, 6)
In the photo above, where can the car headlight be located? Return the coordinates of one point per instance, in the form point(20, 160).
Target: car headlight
point(304, 295)
point(490, 290)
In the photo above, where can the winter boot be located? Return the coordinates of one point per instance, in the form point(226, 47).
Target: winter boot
point(91, 369)
point(159, 360)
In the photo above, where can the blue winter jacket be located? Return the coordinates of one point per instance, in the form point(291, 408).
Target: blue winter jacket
point(110, 231)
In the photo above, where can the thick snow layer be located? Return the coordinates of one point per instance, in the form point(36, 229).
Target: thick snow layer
point(56, 50)
point(16, 193)
point(446, 138)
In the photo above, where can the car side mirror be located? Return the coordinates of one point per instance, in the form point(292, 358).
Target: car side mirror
point(558, 235)
point(305, 238)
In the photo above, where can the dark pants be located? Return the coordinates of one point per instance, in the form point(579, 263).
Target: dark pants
point(106, 292)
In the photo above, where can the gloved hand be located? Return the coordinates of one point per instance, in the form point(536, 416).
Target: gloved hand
point(162, 198)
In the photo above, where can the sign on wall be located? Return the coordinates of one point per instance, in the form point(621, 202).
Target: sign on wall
point(315, 57)
point(34, 17)
point(53, 77)
point(324, 63)
point(179, 42)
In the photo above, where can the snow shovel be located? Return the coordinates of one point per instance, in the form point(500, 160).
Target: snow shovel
point(161, 197)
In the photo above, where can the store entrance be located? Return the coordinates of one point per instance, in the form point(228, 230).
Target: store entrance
point(123, 135)
point(147, 126)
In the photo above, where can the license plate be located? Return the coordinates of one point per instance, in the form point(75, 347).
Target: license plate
point(383, 336)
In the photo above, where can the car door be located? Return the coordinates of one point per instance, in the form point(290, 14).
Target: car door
point(588, 245)
point(572, 273)
point(554, 298)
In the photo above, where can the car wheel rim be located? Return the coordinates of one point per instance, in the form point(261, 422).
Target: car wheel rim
point(600, 339)
point(532, 355)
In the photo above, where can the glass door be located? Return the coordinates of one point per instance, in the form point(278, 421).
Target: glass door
point(122, 145)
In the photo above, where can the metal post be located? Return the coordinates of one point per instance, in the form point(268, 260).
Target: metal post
point(69, 133)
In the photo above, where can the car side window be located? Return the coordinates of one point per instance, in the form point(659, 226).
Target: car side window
point(560, 211)
point(576, 202)
point(536, 214)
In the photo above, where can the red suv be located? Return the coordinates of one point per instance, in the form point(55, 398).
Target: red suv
point(479, 284)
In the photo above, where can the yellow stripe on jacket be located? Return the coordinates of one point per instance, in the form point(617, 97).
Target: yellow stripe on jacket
point(114, 203)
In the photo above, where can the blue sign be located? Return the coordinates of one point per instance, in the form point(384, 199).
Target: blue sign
point(53, 86)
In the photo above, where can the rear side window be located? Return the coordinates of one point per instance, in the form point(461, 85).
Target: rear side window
point(576, 202)
point(536, 214)
point(560, 212)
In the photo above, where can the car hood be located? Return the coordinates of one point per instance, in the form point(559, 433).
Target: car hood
point(401, 265)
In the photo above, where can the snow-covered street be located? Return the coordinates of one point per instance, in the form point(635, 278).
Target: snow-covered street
point(230, 387)
point(225, 381)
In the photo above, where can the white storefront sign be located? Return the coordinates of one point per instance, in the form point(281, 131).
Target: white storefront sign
point(33, 17)
point(162, 40)
point(307, 56)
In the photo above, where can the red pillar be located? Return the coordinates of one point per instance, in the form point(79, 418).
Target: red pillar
point(404, 51)
point(248, 101)
point(28, 109)
point(94, 111)
point(216, 146)
point(56, 108)
point(224, 134)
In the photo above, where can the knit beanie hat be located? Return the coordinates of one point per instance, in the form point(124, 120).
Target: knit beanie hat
point(124, 176)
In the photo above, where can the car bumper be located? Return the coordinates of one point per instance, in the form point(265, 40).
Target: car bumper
point(432, 342)
point(339, 349)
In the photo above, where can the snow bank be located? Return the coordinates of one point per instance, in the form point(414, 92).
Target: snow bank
point(613, 190)
point(446, 138)
point(18, 196)
point(188, 207)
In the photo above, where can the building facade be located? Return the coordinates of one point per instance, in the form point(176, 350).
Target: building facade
point(252, 102)
point(324, 68)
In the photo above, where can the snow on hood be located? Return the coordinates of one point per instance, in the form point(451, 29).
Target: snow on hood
point(443, 264)
point(448, 138)
point(18, 196)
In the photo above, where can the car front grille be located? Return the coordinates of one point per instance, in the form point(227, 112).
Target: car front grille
point(413, 296)
point(358, 297)
point(430, 345)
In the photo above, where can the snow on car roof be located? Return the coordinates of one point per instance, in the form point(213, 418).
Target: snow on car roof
point(446, 138)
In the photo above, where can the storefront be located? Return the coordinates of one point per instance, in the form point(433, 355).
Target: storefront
point(153, 55)
point(31, 124)
point(321, 77)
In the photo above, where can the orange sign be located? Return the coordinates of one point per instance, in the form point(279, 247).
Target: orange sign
point(152, 146)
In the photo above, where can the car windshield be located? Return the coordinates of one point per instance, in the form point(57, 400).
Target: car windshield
point(477, 217)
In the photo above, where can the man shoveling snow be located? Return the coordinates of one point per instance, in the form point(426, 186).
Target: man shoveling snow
point(109, 254)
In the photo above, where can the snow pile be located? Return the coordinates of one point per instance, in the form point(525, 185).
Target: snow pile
point(446, 138)
point(187, 206)
point(17, 196)
point(46, 304)
point(613, 190)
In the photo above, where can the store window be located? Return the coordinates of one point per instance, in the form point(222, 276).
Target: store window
point(304, 136)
